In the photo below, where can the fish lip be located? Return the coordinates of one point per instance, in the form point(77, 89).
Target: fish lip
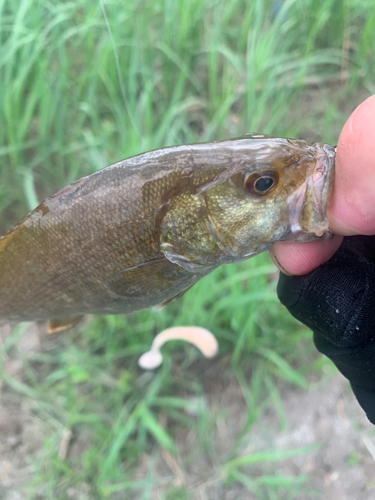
point(329, 168)
point(307, 206)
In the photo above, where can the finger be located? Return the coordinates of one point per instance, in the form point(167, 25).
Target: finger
point(352, 207)
point(302, 258)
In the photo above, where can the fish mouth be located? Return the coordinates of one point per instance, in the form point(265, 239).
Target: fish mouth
point(308, 204)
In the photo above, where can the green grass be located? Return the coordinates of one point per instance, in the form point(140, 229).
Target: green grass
point(84, 84)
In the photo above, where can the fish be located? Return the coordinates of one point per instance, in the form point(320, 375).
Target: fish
point(141, 232)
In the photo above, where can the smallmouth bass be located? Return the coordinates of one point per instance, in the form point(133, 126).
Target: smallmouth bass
point(141, 232)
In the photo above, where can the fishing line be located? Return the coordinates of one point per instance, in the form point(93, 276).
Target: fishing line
point(118, 68)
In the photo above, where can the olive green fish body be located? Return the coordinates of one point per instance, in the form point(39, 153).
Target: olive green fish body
point(141, 232)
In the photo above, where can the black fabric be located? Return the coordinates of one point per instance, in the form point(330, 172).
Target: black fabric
point(337, 301)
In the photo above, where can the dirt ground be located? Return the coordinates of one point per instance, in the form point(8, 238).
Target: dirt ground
point(343, 468)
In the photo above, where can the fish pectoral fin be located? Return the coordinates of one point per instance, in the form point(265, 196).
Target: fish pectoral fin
point(146, 279)
point(165, 303)
point(59, 325)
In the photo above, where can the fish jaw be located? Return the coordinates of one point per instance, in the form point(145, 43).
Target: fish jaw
point(307, 206)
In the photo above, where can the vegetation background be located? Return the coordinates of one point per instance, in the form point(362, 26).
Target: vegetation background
point(86, 83)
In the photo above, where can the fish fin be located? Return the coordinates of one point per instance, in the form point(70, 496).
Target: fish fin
point(146, 279)
point(59, 325)
point(165, 303)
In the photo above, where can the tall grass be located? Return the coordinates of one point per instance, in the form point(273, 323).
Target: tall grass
point(84, 84)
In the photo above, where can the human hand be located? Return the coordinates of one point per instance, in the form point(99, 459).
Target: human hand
point(352, 206)
point(337, 300)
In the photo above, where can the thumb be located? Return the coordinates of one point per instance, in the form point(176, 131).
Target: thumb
point(352, 207)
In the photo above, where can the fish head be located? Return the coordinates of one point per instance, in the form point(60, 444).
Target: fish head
point(275, 190)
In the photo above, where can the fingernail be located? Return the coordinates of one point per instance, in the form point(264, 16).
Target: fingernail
point(277, 263)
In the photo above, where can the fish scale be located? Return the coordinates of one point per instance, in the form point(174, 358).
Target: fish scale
point(141, 232)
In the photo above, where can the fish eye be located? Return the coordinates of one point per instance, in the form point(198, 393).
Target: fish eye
point(261, 182)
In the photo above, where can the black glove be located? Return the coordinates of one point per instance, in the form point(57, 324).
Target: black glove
point(337, 301)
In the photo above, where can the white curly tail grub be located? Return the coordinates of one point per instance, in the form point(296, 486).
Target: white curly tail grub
point(199, 337)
